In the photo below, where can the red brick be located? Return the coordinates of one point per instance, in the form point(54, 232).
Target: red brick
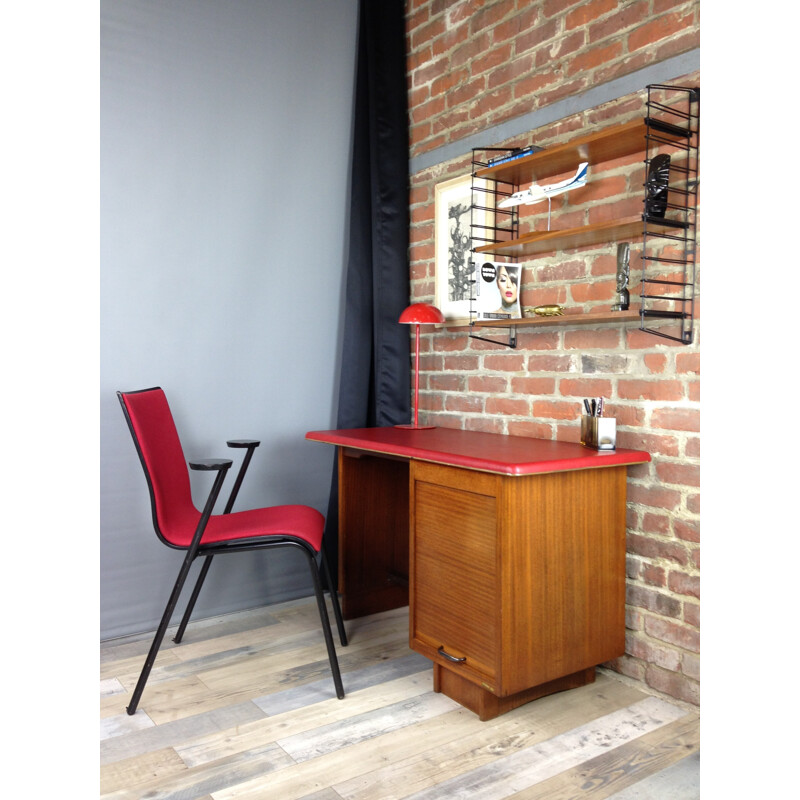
point(465, 363)
point(528, 339)
point(555, 295)
point(655, 362)
point(505, 363)
point(531, 429)
point(553, 409)
point(656, 523)
point(656, 496)
point(549, 363)
point(673, 684)
point(592, 339)
point(568, 270)
point(424, 34)
point(485, 424)
point(676, 419)
point(690, 666)
point(650, 547)
point(686, 530)
point(687, 363)
point(652, 600)
point(583, 293)
point(674, 633)
point(683, 584)
point(650, 390)
point(537, 36)
point(662, 27)
point(486, 16)
point(446, 383)
point(653, 653)
point(654, 576)
point(483, 383)
point(587, 12)
point(641, 340)
point(464, 403)
point(691, 614)
point(633, 416)
point(529, 386)
point(681, 474)
point(596, 57)
point(508, 406)
point(584, 387)
point(430, 402)
point(630, 15)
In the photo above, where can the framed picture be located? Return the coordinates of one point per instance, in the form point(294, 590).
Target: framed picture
point(454, 221)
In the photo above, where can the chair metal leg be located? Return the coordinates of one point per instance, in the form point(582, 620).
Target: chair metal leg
point(159, 637)
point(192, 600)
point(326, 625)
point(221, 467)
point(337, 610)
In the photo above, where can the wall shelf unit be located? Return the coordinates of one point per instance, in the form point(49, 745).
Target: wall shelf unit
point(671, 125)
point(590, 318)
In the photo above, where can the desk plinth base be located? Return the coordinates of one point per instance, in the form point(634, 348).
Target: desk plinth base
point(487, 705)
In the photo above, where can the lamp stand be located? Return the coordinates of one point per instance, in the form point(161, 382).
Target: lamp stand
point(415, 426)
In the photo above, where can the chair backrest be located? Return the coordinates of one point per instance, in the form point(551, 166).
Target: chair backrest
point(153, 429)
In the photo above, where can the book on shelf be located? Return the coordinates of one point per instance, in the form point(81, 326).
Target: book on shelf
point(520, 152)
point(497, 289)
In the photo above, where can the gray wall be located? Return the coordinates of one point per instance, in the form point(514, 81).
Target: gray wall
point(225, 154)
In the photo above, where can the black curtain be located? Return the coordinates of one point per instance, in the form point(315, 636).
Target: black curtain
point(375, 382)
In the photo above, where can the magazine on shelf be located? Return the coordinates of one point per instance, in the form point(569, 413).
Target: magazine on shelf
point(497, 289)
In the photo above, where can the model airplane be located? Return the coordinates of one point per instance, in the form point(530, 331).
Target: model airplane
point(537, 193)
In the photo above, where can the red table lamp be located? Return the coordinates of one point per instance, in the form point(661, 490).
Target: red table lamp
point(419, 314)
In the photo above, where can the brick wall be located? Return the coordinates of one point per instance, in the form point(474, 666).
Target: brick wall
point(472, 65)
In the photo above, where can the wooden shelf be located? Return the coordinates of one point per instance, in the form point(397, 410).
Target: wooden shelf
point(540, 242)
point(590, 318)
point(606, 144)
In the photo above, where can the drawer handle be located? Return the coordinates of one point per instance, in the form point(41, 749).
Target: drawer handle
point(454, 659)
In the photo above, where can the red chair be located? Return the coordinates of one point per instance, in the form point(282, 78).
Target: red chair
point(180, 525)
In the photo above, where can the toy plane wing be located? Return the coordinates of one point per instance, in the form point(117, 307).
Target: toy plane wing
point(538, 193)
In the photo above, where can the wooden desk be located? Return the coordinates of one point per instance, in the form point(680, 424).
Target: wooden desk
point(516, 549)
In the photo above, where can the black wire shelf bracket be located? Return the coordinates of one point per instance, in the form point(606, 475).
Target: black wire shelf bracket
point(490, 224)
point(672, 167)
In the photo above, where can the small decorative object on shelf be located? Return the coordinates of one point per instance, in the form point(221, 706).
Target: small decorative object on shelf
point(657, 186)
point(536, 193)
point(623, 274)
point(549, 311)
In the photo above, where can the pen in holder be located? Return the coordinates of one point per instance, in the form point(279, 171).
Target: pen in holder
point(599, 432)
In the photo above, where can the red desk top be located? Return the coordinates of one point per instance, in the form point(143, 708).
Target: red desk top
point(487, 452)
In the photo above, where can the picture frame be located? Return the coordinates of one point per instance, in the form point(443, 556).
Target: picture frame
point(454, 219)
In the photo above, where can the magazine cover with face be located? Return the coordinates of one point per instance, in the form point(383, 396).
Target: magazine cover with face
point(497, 290)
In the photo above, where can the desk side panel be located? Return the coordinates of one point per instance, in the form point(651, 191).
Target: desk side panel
point(563, 552)
point(373, 533)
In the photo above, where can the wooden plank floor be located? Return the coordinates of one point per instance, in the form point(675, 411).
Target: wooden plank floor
point(245, 708)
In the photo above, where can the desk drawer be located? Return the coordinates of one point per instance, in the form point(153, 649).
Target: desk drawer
point(454, 571)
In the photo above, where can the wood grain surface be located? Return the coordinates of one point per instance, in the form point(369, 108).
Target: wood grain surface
point(244, 708)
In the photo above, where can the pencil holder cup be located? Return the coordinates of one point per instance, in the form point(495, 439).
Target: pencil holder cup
point(599, 433)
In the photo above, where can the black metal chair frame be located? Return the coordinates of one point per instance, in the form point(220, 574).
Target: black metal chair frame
point(197, 550)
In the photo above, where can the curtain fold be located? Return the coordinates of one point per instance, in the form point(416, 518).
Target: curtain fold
point(375, 383)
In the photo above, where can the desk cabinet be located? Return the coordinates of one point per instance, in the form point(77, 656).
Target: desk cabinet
point(517, 583)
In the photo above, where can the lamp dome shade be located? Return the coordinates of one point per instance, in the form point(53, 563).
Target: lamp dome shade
point(421, 314)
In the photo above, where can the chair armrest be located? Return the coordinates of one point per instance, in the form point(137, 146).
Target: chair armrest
point(250, 446)
point(211, 463)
